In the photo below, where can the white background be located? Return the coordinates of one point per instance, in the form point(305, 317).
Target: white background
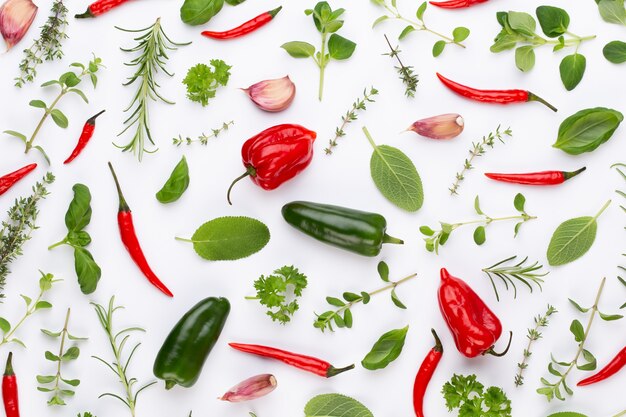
point(342, 179)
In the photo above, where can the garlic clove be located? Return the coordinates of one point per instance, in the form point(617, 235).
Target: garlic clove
point(16, 16)
point(253, 387)
point(444, 126)
point(272, 95)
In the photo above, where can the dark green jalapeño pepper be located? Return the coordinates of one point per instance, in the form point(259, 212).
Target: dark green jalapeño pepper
point(357, 231)
point(188, 345)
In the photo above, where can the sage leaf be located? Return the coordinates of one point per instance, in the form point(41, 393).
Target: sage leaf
point(335, 405)
point(176, 184)
point(339, 47)
point(572, 70)
point(229, 238)
point(587, 129)
point(420, 11)
point(554, 21)
point(198, 12)
point(615, 52)
point(395, 176)
point(299, 49)
point(87, 270)
point(386, 349)
point(78, 213)
point(525, 58)
point(612, 11)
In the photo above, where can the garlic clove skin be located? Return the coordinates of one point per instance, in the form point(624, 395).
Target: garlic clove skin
point(444, 126)
point(272, 95)
point(16, 16)
point(253, 387)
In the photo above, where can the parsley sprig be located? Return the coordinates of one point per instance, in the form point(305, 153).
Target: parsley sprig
point(202, 81)
point(473, 400)
point(273, 291)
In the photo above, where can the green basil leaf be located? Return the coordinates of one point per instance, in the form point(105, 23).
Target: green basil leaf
point(198, 12)
point(59, 118)
point(234, 2)
point(571, 240)
point(87, 270)
point(522, 23)
point(299, 49)
point(554, 21)
point(438, 48)
point(339, 47)
point(572, 70)
point(385, 350)
point(80, 239)
point(525, 58)
point(396, 301)
point(335, 405)
point(615, 52)
point(176, 184)
point(78, 214)
point(587, 129)
point(612, 11)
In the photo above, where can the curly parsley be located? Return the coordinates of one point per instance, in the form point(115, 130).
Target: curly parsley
point(472, 400)
point(274, 290)
point(202, 81)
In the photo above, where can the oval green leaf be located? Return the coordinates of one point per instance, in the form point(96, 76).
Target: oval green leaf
point(198, 12)
point(59, 118)
point(87, 270)
point(299, 49)
point(335, 405)
point(572, 70)
point(612, 11)
point(587, 129)
point(571, 240)
point(522, 23)
point(340, 48)
point(78, 213)
point(554, 21)
point(525, 58)
point(385, 350)
point(480, 235)
point(438, 48)
point(176, 184)
point(460, 33)
point(615, 52)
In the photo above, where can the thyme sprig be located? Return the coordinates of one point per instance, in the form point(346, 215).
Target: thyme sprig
point(526, 274)
point(152, 46)
point(407, 75)
point(351, 115)
point(203, 139)
point(541, 321)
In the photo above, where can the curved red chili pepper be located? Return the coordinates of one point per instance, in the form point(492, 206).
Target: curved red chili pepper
point(306, 363)
point(536, 178)
point(609, 370)
point(129, 238)
point(99, 7)
point(7, 181)
point(425, 373)
point(493, 96)
point(276, 155)
point(85, 136)
point(456, 4)
point(245, 28)
point(9, 390)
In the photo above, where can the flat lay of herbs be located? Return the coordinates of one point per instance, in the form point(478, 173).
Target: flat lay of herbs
point(459, 326)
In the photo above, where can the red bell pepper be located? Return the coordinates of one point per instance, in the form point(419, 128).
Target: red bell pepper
point(276, 155)
point(473, 325)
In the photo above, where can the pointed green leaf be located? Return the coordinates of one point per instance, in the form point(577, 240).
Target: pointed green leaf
point(396, 300)
point(5, 326)
point(383, 271)
point(480, 235)
point(59, 118)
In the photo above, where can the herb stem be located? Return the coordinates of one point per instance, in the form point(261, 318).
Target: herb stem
point(29, 311)
point(322, 65)
point(59, 243)
point(29, 144)
point(64, 332)
point(350, 116)
point(623, 413)
point(606, 205)
point(533, 335)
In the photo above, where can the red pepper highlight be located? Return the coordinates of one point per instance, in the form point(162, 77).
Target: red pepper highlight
point(85, 136)
point(245, 28)
point(306, 363)
point(129, 238)
point(99, 7)
point(536, 178)
point(276, 155)
point(473, 325)
point(9, 390)
point(609, 370)
point(456, 4)
point(493, 96)
point(425, 373)
point(7, 181)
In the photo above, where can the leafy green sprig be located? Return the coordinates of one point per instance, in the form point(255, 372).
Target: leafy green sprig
point(203, 139)
point(342, 316)
point(351, 115)
point(202, 81)
point(534, 334)
point(436, 238)
point(473, 400)
point(622, 194)
point(613, 11)
point(406, 73)
point(509, 274)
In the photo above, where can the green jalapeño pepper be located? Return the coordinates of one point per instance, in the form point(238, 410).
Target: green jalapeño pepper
point(186, 348)
point(357, 231)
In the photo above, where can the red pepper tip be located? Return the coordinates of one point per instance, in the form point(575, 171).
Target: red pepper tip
point(444, 273)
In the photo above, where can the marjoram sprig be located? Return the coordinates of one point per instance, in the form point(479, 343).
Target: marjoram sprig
point(351, 115)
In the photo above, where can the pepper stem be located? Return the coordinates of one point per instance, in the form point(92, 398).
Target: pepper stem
point(250, 171)
point(499, 355)
point(274, 12)
point(85, 15)
point(59, 243)
point(92, 119)
point(123, 206)
point(534, 97)
point(332, 371)
point(568, 175)
point(8, 371)
point(438, 346)
point(169, 384)
point(392, 240)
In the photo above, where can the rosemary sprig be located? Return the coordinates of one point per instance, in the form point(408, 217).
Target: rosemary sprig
point(351, 115)
point(533, 335)
point(19, 226)
point(119, 366)
point(152, 46)
point(526, 274)
point(203, 139)
point(478, 149)
point(47, 47)
point(406, 73)
point(623, 194)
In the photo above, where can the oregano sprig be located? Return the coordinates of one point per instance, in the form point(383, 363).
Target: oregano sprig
point(203, 139)
point(519, 272)
point(534, 334)
point(351, 115)
point(406, 73)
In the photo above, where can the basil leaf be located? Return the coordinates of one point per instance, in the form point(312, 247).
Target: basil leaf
point(587, 129)
point(87, 270)
point(339, 47)
point(525, 58)
point(554, 21)
point(234, 2)
point(522, 22)
point(572, 69)
point(78, 214)
point(613, 11)
point(385, 350)
point(176, 184)
point(335, 405)
point(80, 238)
point(299, 49)
point(615, 52)
point(198, 12)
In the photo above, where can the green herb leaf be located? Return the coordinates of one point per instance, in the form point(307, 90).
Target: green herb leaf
point(525, 58)
point(5, 326)
point(615, 52)
point(202, 81)
point(610, 317)
point(339, 47)
point(385, 350)
point(572, 69)
point(522, 22)
point(51, 356)
point(405, 32)
point(176, 184)
point(59, 118)
point(87, 270)
point(396, 301)
point(460, 33)
point(38, 104)
point(272, 292)
point(519, 202)
point(438, 48)
point(587, 129)
point(567, 414)
point(80, 239)
point(299, 49)
point(480, 235)
point(78, 213)
point(198, 12)
point(71, 354)
point(45, 379)
point(612, 11)
point(420, 11)
point(383, 271)
point(577, 330)
point(554, 21)
point(335, 405)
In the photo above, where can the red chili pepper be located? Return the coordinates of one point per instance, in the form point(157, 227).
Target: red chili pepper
point(99, 7)
point(129, 238)
point(493, 96)
point(456, 4)
point(474, 326)
point(306, 363)
point(276, 155)
point(9, 390)
point(609, 370)
point(7, 181)
point(536, 178)
point(425, 373)
point(87, 133)
point(247, 27)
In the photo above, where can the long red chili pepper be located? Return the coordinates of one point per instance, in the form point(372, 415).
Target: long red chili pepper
point(9, 390)
point(609, 370)
point(306, 363)
point(85, 136)
point(129, 238)
point(425, 373)
point(536, 178)
point(7, 181)
point(245, 28)
point(493, 96)
point(456, 4)
point(99, 7)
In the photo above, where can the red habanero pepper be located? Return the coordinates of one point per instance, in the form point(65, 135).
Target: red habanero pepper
point(473, 325)
point(536, 178)
point(456, 4)
point(609, 370)
point(7, 181)
point(99, 7)
point(129, 238)
point(85, 136)
point(276, 155)
point(306, 363)
point(493, 96)
point(247, 27)
point(9, 390)
point(425, 373)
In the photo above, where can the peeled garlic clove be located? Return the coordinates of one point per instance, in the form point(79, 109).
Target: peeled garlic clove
point(254, 387)
point(444, 126)
point(16, 16)
point(272, 95)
